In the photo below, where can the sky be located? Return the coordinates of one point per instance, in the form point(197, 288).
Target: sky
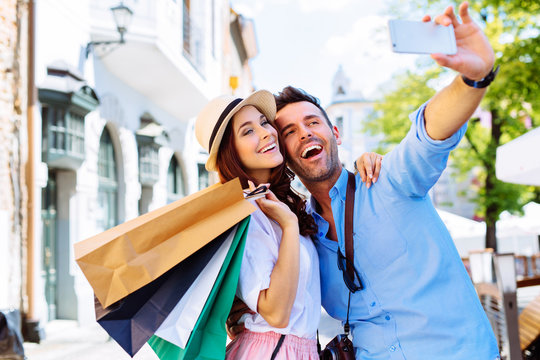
point(303, 42)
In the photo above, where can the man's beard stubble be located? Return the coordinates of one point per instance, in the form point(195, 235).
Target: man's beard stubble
point(331, 168)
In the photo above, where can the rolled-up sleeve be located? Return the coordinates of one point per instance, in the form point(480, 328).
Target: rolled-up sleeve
point(416, 164)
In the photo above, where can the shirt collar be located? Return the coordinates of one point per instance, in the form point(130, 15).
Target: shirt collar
point(340, 187)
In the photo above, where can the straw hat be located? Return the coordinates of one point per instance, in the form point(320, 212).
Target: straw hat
point(215, 116)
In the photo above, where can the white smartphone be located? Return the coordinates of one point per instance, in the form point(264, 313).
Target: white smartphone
point(419, 37)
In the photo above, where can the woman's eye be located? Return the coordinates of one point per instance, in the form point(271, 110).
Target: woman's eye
point(265, 122)
point(248, 131)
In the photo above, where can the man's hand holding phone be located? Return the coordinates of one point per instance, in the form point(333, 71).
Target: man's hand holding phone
point(474, 56)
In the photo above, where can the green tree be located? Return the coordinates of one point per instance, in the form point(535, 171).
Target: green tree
point(513, 101)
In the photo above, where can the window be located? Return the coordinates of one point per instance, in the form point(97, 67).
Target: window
point(107, 215)
point(65, 101)
point(148, 164)
point(186, 26)
point(193, 29)
point(204, 180)
point(175, 183)
point(339, 124)
point(63, 135)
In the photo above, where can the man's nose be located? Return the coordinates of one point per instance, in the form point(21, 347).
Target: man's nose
point(305, 133)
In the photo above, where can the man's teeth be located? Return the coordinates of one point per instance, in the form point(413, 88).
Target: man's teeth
point(269, 147)
point(309, 148)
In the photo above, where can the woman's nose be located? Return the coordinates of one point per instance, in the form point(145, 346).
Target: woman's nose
point(264, 133)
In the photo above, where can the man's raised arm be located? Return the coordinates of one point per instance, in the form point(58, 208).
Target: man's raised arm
point(451, 107)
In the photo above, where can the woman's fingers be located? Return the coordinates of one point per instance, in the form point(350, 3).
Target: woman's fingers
point(378, 163)
point(271, 196)
point(251, 185)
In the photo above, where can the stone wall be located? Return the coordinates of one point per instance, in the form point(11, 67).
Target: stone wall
point(13, 152)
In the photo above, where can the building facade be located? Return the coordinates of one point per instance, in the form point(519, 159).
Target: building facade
point(113, 127)
point(348, 111)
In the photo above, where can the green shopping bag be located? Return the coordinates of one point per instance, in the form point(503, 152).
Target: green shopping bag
point(208, 339)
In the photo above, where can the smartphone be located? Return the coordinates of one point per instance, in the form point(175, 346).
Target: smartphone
point(419, 37)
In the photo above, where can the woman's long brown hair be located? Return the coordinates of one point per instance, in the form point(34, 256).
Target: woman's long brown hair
point(230, 167)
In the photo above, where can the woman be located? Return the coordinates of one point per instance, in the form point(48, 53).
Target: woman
point(279, 277)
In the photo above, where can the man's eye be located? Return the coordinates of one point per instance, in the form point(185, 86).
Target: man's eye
point(288, 133)
point(313, 123)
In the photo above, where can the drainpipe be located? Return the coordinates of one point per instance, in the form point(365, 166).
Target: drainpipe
point(30, 175)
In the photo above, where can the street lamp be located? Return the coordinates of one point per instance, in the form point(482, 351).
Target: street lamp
point(122, 18)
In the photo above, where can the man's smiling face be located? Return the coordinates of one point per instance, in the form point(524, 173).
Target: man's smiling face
point(310, 143)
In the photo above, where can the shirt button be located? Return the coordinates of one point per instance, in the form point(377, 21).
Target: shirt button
point(387, 317)
point(392, 348)
point(321, 234)
point(373, 304)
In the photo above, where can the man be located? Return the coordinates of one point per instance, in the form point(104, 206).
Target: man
point(417, 300)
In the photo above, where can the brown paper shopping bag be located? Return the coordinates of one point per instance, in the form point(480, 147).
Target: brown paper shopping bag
point(121, 260)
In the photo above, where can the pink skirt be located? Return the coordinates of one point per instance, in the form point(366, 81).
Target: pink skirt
point(252, 345)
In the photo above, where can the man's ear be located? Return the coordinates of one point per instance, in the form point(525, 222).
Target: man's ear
point(335, 131)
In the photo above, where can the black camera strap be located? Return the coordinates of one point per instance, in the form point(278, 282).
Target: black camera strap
point(349, 221)
point(278, 346)
point(349, 245)
point(349, 242)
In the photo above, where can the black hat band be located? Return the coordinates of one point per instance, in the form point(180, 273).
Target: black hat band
point(220, 120)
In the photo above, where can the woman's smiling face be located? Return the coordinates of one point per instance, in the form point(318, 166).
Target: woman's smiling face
point(256, 142)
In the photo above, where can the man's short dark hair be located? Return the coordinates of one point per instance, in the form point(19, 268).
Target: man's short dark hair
point(290, 95)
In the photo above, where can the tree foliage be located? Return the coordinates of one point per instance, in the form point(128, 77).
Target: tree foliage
point(512, 103)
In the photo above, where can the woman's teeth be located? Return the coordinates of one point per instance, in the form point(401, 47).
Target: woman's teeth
point(267, 148)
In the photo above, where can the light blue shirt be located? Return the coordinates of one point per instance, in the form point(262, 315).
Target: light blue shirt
point(418, 301)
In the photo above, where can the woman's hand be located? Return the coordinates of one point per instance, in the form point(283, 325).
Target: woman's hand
point(272, 207)
point(369, 167)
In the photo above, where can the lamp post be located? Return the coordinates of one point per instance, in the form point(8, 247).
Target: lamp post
point(505, 269)
point(122, 18)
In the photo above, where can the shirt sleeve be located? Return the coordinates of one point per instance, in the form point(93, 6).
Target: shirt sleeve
point(416, 164)
point(260, 256)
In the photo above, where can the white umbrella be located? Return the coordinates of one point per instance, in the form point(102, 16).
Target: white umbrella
point(519, 161)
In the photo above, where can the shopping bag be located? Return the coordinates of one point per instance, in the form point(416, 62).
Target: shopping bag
point(123, 259)
point(208, 339)
point(180, 322)
point(134, 319)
